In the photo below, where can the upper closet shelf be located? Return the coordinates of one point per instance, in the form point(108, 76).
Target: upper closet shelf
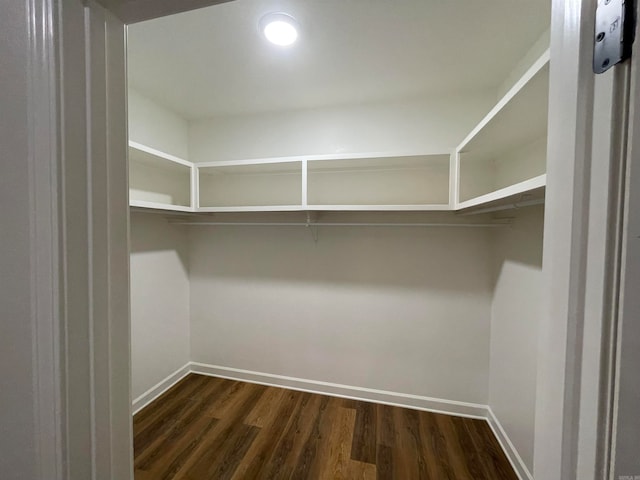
point(158, 206)
point(501, 162)
point(144, 153)
point(343, 182)
point(158, 180)
point(520, 194)
point(337, 182)
point(518, 118)
point(504, 156)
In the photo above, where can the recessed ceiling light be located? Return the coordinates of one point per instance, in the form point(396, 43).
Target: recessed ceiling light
point(279, 28)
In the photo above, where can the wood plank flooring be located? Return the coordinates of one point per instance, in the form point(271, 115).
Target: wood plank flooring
point(211, 428)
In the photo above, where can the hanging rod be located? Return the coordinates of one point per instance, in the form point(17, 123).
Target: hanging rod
point(343, 224)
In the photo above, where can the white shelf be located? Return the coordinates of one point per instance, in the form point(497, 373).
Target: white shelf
point(526, 191)
point(254, 208)
point(500, 162)
point(319, 158)
point(158, 180)
point(249, 186)
point(151, 154)
point(504, 156)
point(351, 182)
point(332, 208)
point(378, 208)
point(518, 118)
point(159, 206)
point(404, 182)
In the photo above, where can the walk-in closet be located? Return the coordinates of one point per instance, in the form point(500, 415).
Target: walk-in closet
point(356, 215)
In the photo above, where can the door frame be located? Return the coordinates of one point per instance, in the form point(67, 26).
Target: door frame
point(86, 400)
point(624, 394)
point(566, 252)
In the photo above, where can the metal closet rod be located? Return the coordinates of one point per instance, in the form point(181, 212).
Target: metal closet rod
point(343, 224)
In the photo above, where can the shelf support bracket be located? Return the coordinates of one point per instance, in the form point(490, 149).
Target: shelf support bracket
point(312, 227)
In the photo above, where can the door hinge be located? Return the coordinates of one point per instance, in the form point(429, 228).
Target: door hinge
point(614, 34)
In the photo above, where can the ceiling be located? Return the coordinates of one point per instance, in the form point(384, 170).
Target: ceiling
point(214, 61)
point(131, 11)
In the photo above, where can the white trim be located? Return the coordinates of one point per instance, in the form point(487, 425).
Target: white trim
point(319, 158)
point(159, 206)
point(195, 188)
point(340, 208)
point(495, 224)
point(305, 183)
point(436, 405)
point(507, 446)
point(381, 208)
point(159, 388)
point(566, 237)
point(257, 161)
point(259, 208)
point(42, 160)
point(623, 421)
point(454, 179)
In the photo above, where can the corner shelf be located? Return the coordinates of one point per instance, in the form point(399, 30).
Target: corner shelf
point(158, 180)
point(528, 191)
point(504, 156)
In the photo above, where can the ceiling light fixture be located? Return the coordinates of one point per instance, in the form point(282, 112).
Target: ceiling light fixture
point(279, 28)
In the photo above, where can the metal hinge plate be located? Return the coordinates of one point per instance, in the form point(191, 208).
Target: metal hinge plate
point(615, 30)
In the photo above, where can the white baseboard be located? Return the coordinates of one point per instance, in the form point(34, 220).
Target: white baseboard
point(154, 392)
point(510, 451)
point(437, 405)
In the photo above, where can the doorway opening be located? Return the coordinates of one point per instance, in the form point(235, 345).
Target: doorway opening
point(358, 213)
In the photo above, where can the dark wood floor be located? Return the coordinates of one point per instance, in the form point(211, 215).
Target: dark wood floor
point(211, 428)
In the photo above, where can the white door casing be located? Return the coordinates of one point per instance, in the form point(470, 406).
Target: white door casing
point(584, 226)
point(625, 402)
point(571, 93)
point(94, 243)
point(30, 427)
point(79, 230)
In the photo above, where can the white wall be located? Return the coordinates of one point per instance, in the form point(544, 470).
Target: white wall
point(428, 125)
point(405, 310)
point(516, 311)
point(159, 300)
point(159, 261)
point(400, 310)
point(157, 126)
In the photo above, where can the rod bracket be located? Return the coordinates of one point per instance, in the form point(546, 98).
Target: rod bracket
point(313, 228)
